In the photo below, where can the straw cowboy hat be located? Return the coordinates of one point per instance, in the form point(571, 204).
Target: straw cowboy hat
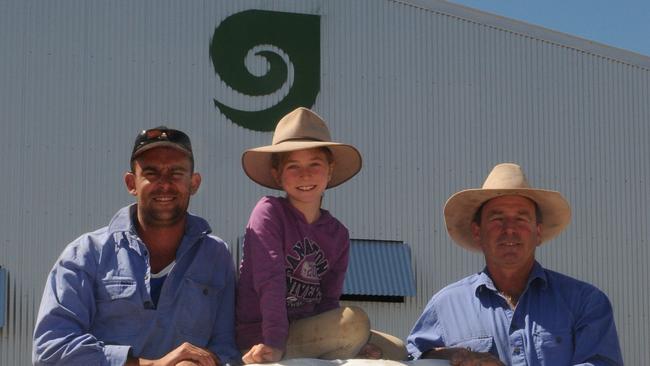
point(504, 180)
point(301, 129)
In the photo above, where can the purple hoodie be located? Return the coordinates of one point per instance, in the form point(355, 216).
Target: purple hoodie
point(293, 268)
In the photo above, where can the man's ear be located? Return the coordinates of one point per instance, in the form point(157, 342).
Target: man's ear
point(538, 231)
point(129, 181)
point(476, 234)
point(195, 183)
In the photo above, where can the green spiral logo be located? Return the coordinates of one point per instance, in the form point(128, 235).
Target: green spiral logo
point(271, 61)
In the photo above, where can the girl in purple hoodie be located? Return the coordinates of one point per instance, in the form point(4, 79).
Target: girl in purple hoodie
point(296, 253)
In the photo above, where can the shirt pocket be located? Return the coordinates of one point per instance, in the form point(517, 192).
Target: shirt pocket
point(200, 304)
point(118, 306)
point(476, 344)
point(554, 347)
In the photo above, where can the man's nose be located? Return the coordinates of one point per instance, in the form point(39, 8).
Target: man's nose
point(509, 226)
point(165, 179)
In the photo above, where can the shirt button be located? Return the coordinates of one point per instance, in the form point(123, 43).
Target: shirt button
point(205, 291)
point(516, 351)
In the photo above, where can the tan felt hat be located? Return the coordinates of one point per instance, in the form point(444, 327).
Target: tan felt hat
point(504, 180)
point(299, 130)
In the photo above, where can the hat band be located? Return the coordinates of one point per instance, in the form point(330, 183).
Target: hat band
point(300, 139)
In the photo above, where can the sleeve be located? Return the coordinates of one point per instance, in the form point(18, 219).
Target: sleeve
point(426, 333)
point(222, 340)
point(265, 241)
point(67, 309)
point(332, 281)
point(596, 317)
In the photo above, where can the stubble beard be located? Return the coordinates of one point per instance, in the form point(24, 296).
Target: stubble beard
point(159, 218)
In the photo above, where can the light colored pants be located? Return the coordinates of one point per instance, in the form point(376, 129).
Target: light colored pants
point(339, 334)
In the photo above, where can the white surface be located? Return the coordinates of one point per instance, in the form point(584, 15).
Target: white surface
point(356, 362)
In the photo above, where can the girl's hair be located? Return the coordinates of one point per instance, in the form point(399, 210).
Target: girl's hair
point(278, 159)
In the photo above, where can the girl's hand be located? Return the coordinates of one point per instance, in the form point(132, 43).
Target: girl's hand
point(261, 353)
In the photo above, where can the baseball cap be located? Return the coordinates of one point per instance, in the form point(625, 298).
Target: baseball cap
point(162, 136)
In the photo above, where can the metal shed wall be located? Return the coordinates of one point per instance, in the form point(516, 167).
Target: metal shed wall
point(431, 93)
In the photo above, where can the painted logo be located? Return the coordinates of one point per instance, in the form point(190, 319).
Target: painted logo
point(270, 61)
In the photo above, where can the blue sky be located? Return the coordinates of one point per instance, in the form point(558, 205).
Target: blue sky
point(620, 23)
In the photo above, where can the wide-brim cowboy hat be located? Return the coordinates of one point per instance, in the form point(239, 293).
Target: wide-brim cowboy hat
point(299, 130)
point(504, 180)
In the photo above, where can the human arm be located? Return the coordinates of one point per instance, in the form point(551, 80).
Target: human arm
point(68, 307)
point(462, 357)
point(184, 355)
point(596, 339)
point(426, 334)
point(332, 282)
point(264, 259)
point(222, 338)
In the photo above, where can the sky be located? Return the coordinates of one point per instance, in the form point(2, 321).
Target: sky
point(620, 23)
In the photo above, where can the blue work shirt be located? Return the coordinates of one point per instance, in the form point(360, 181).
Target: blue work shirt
point(97, 309)
point(558, 320)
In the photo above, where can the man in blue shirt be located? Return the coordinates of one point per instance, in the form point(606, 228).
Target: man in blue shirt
point(152, 287)
point(514, 312)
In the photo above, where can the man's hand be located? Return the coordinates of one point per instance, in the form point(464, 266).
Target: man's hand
point(469, 358)
point(261, 353)
point(184, 355)
point(463, 357)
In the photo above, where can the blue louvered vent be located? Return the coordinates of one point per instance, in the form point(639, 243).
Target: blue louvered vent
point(379, 268)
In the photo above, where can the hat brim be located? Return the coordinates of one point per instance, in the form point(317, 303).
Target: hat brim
point(257, 162)
point(461, 207)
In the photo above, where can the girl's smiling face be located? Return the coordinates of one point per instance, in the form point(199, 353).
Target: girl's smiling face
point(304, 175)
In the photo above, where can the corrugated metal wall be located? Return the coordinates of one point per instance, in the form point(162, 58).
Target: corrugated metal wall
point(431, 93)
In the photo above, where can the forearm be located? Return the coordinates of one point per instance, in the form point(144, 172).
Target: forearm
point(132, 361)
point(332, 284)
point(269, 282)
point(222, 340)
point(596, 318)
point(78, 351)
point(462, 356)
point(275, 323)
point(61, 333)
point(331, 287)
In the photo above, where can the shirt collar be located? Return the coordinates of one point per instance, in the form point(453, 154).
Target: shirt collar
point(537, 276)
point(121, 221)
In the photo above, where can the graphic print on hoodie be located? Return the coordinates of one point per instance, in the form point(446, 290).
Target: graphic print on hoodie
point(306, 264)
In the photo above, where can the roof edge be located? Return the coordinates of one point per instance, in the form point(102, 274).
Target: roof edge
point(531, 30)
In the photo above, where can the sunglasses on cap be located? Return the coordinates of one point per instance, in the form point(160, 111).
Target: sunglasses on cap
point(161, 136)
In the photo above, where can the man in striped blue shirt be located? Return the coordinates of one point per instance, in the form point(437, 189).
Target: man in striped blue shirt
point(151, 288)
point(514, 312)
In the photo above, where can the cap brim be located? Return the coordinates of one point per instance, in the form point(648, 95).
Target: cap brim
point(461, 207)
point(157, 144)
point(257, 162)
